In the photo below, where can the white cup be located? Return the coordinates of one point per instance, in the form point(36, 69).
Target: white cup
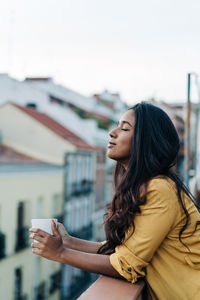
point(43, 224)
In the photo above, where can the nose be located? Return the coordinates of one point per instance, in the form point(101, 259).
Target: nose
point(113, 133)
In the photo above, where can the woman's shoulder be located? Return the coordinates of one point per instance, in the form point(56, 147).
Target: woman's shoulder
point(160, 198)
point(161, 190)
point(161, 183)
point(158, 184)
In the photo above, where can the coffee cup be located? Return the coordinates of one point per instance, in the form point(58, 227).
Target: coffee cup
point(43, 224)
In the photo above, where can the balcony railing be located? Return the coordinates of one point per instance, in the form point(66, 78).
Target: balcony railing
point(55, 282)
point(114, 289)
point(83, 233)
point(22, 240)
point(40, 292)
point(2, 245)
point(81, 188)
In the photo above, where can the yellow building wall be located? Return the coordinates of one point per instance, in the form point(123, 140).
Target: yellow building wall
point(23, 133)
point(28, 187)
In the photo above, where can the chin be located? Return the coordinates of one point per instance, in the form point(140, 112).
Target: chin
point(114, 157)
point(111, 155)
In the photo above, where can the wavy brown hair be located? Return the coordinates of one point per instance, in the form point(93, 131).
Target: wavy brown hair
point(154, 152)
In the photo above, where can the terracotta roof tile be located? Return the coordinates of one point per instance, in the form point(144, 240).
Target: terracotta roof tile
point(9, 155)
point(56, 127)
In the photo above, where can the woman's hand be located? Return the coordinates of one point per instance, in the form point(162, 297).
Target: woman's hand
point(66, 238)
point(48, 246)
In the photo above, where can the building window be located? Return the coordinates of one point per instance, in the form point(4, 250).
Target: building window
point(18, 284)
point(22, 233)
point(2, 245)
point(2, 239)
point(55, 281)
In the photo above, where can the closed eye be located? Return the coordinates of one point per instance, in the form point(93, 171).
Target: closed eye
point(124, 129)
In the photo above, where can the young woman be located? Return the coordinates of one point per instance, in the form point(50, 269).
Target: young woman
point(152, 224)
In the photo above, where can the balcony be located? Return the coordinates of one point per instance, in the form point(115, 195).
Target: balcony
point(84, 187)
point(55, 282)
point(84, 233)
point(22, 240)
point(2, 245)
point(40, 293)
point(87, 186)
point(111, 288)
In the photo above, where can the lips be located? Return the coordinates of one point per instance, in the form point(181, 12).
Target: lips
point(111, 144)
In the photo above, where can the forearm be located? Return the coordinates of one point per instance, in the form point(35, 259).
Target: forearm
point(95, 263)
point(82, 245)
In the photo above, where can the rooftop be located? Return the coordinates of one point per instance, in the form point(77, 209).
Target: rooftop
point(9, 155)
point(67, 95)
point(56, 127)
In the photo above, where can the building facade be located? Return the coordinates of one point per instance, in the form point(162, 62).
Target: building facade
point(28, 189)
point(46, 140)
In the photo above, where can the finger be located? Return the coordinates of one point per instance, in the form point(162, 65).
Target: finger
point(36, 237)
point(36, 245)
point(39, 232)
point(37, 252)
point(54, 228)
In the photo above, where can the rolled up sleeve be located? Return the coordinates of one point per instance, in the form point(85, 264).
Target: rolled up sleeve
point(127, 264)
point(151, 227)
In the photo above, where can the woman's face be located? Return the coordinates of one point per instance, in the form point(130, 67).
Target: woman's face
point(119, 146)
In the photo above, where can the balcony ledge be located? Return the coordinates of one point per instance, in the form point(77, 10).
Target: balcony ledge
point(111, 288)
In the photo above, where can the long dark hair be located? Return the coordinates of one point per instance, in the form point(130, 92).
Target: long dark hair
point(154, 152)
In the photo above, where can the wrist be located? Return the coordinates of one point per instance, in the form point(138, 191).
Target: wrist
point(68, 241)
point(62, 255)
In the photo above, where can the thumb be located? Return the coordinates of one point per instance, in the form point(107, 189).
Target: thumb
point(54, 229)
point(61, 229)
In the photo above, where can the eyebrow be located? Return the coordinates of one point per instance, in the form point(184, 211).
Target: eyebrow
point(125, 122)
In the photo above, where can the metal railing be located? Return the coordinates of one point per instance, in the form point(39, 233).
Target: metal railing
point(83, 187)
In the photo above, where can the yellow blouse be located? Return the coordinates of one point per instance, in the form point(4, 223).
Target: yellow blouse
point(154, 251)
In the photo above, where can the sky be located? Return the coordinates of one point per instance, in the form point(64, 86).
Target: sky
point(141, 49)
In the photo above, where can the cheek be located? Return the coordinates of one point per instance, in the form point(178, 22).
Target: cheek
point(125, 149)
point(126, 145)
